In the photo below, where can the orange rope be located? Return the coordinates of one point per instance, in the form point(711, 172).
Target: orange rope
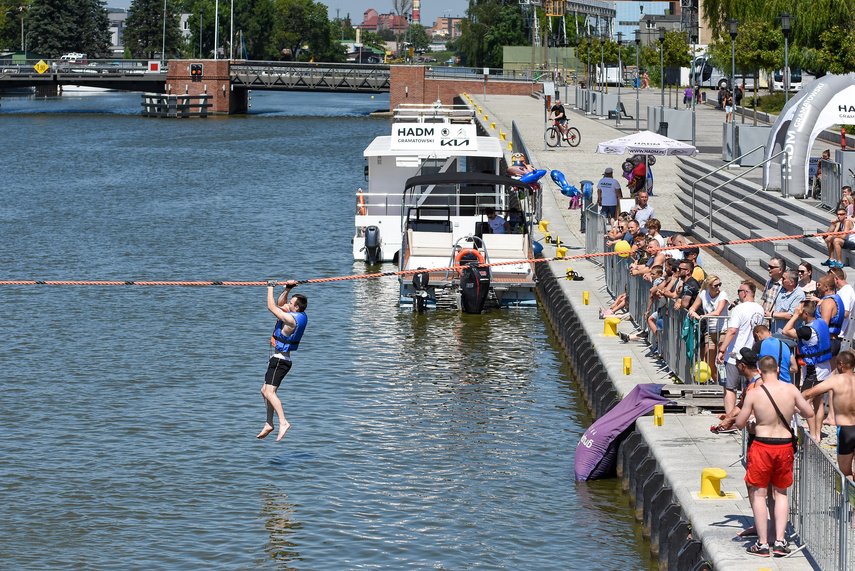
point(402, 272)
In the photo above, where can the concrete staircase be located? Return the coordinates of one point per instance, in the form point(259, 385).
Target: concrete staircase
point(742, 211)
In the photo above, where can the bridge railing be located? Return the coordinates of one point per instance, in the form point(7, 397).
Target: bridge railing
point(88, 66)
point(495, 74)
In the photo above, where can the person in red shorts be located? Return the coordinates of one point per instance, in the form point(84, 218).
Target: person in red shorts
point(770, 457)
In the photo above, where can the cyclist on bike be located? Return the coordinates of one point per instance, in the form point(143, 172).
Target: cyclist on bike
point(557, 114)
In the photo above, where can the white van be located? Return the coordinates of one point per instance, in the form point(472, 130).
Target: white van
point(797, 79)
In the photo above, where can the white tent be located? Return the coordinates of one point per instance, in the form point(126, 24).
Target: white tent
point(646, 143)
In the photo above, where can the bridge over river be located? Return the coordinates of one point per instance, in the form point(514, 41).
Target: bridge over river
point(227, 83)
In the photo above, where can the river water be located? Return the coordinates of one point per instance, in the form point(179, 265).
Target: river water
point(128, 413)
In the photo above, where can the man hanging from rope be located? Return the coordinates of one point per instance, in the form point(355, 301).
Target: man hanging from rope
point(290, 325)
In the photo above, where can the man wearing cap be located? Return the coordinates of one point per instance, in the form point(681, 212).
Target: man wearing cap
point(746, 364)
point(608, 194)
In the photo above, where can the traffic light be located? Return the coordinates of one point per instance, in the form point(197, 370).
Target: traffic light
point(196, 71)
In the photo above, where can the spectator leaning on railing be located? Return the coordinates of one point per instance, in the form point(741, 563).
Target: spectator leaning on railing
point(712, 301)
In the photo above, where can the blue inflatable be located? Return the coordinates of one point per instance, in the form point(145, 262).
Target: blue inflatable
point(537, 247)
point(566, 188)
point(533, 176)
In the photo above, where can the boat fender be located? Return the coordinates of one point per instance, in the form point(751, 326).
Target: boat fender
point(537, 247)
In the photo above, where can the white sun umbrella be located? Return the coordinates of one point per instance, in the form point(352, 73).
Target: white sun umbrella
point(647, 143)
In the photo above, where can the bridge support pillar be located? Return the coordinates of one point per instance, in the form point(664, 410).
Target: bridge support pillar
point(214, 80)
point(47, 90)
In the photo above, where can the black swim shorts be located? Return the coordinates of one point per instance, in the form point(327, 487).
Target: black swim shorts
point(845, 440)
point(276, 370)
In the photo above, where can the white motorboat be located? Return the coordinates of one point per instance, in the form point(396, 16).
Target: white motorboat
point(446, 225)
point(425, 140)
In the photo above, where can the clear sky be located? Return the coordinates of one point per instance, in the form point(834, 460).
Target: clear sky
point(430, 9)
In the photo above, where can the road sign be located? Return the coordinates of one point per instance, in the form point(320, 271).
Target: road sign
point(42, 67)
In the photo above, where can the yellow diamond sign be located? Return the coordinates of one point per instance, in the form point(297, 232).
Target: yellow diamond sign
point(42, 67)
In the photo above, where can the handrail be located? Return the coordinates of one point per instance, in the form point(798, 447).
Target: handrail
point(724, 166)
point(737, 177)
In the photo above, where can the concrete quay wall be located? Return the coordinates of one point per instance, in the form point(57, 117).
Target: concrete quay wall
point(659, 466)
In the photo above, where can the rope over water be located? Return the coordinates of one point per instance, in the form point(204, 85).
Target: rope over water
point(405, 272)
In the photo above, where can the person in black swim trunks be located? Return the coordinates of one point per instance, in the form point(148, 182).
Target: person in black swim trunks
point(842, 386)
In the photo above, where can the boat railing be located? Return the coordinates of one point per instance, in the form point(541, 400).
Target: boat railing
point(432, 113)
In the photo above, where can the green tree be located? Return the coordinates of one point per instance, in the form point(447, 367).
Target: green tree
point(303, 30)
point(489, 26)
point(345, 26)
point(12, 13)
point(417, 35)
point(835, 54)
point(55, 27)
point(144, 29)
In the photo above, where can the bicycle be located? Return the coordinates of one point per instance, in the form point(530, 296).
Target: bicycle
point(571, 135)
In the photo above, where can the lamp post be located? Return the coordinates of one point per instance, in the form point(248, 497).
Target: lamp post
point(785, 27)
point(163, 50)
point(733, 25)
point(694, 83)
point(216, 29)
point(619, 78)
point(576, 67)
point(604, 84)
point(232, 32)
point(661, 78)
point(200, 34)
point(637, 75)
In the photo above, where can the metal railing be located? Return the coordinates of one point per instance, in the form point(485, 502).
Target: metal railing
point(722, 167)
point(822, 504)
point(519, 146)
point(595, 233)
point(830, 187)
point(351, 77)
point(495, 74)
point(785, 177)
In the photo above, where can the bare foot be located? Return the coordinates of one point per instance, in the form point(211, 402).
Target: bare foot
point(829, 421)
point(283, 428)
point(265, 431)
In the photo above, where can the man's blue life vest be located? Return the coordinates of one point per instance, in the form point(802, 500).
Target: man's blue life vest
point(836, 325)
point(285, 343)
point(821, 352)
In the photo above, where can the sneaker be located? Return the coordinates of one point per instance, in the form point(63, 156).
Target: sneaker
point(827, 262)
point(623, 337)
point(715, 429)
point(759, 549)
point(643, 334)
point(780, 549)
point(837, 265)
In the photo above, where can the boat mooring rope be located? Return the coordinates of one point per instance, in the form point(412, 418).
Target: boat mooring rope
point(404, 272)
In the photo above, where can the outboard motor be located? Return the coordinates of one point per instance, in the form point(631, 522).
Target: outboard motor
point(420, 283)
point(474, 288)
point(372, 244)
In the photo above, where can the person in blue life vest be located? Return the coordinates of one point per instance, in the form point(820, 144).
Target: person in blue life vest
point(290, 326)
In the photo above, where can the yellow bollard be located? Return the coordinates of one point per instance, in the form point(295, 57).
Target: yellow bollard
point(586, 297)
point(658, 415)
point(486, 117)
point(502, 136)
point(492, 126)
point(510, 145)
point(541, 227)
point(560, 251)
point(627, 365)
point(711, 483)
point(610, 328)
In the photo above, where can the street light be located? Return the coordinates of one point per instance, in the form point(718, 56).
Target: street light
point(163, 50)
point(696, 87)
point(662, 78)
point(785, 27)
point(637, 75)
point(216, 29)
point(200, 35)
point(232, 32)
point(619, 78)
point(733, 24)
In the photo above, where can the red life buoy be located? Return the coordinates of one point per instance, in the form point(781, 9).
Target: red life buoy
point(464, 252)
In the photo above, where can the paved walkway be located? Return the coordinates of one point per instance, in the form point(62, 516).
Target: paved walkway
point(714, 522)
